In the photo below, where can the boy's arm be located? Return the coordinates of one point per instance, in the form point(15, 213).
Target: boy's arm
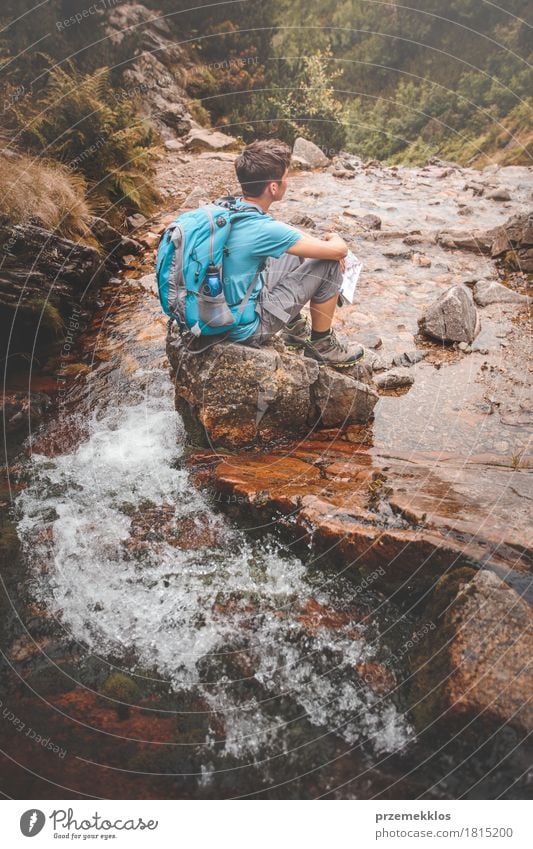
point(330, 247)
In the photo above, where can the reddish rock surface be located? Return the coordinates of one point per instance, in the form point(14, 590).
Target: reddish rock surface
point(476, 664)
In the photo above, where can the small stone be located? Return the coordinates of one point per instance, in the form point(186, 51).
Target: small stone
point(408, 358)
point(421, 260)
point(302, 220)
point(136, 221)
point(343, 173)
point(476, 188)
point(173, 145)
point(397, 251)
point(150, 240)
point(395, 378)
point(197, 197)
point(465, 348)
point(371, 222)
point(201, 138)
point(499, 193)
point(369, 340)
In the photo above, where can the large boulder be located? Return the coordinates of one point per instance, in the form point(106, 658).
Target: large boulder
point(452, 317)
point(475, 666)
point(203, 138)
point(154, 75)
point(342, 399)
point(231, 395)
point(308, 153)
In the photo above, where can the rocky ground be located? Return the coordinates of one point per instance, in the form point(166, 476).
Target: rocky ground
point(435, 489)
point(426, 503)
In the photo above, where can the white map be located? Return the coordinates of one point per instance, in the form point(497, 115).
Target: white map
point(350, 278)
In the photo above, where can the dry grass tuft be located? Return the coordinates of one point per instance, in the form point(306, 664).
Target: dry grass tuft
point(43, 194)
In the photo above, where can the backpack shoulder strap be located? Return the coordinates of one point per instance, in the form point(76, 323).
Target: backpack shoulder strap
point(229, 202)
point(250, 289)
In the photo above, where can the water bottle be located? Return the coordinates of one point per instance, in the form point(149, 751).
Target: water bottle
point(212, 284)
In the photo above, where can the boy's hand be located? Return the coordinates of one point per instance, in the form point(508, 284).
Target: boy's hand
point(329, 237)
point(331, 246)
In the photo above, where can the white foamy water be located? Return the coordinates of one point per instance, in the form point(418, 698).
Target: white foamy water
point(106, 520)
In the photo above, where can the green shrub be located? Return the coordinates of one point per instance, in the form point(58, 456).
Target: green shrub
point(309, 107)
point(77, 120)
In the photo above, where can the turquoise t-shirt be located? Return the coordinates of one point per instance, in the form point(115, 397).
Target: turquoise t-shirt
point(252, 240)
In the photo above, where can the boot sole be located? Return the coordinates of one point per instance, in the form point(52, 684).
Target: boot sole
point(324, 362)
point(294, 345)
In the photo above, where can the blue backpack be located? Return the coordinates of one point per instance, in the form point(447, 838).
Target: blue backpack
point(194, 241)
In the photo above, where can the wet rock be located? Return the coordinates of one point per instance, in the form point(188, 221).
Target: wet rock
point(122, 691)
point(309, 153)
point(475, 666)
point(346, 161)
point(452, 317)
point(396, 378)
point(239, 394)
point(23, 410)
point(44, 281)
point(115, 243)
point(201, 138)
point(491, 292)
point(443, 163)
point(233, 395)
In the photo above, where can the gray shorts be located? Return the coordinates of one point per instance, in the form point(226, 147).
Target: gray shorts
point(289, 284)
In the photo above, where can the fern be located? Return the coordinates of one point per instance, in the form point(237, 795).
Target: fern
point(76, 120)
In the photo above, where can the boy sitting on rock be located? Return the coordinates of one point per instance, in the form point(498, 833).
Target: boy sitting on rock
point(299, 269)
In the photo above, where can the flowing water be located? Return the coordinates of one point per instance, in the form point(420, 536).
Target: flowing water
point(266, 669)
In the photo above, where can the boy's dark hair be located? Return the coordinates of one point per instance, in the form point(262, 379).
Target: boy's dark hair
point(261, 162)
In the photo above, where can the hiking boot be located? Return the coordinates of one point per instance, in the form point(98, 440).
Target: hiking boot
point(297, 334)
point(331, 352)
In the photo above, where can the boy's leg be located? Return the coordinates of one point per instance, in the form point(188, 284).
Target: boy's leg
point(289, 284)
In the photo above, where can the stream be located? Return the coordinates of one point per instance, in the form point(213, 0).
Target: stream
point(166, 652)
point(139, 571)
